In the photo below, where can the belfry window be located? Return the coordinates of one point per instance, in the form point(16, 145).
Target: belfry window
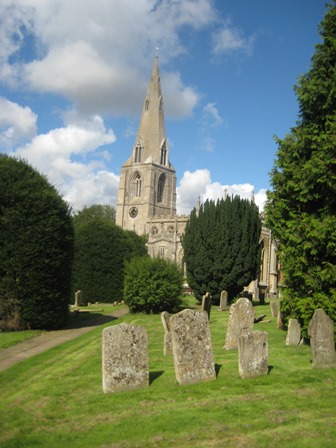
point(136, 184)
point(161, 186)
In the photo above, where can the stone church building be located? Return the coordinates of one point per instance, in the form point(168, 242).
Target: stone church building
point(147, 193)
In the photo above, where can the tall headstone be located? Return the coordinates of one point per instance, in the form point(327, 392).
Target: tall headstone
point(78, 298)
point(192, 347)
point(206, 303)
point(223, 304)
point(241, 319)
point(274, 308)
point(280, 319)
point(253, 354)
point(167, 342)
point(321, 333)
point(293, 332)
point(125, 358)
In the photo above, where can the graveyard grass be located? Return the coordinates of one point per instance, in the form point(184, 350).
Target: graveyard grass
point(55, 399)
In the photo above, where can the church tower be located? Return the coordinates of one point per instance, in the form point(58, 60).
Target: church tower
point(147, 186)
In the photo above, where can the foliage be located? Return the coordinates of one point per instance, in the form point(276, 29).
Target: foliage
point(101, 248)
point(94, 211)
point(36, 248)
point(221, 247)
point(301, 208)
point(152, 285)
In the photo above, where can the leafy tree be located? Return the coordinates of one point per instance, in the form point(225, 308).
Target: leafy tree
point(152, 285)
point(101, 248)
point(95, 211)
point(301, 208)
point(36, 248)
point(221, 247)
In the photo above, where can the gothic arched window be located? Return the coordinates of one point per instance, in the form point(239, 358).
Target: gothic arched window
point(137, 153)
point(146, 103)
point(163, 157)
point(161, 186)
point(136, 184)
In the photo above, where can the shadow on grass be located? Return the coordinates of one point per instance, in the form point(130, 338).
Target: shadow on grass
point(269, 369)
point(155, 375)
point(87, 319)
point(217, 369)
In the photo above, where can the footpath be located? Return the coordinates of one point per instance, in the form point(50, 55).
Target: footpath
point(26, 349)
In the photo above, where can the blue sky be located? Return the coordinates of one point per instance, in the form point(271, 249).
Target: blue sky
point(74, 74)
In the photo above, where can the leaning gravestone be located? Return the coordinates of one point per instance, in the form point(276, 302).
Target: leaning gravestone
point(274, 308)
point(206, 303)
point(321, 333)
point(78, 298)
point(241, 319)
point(223, 304)
point(293, 332)
point(167, 342)
point(125, 358)
point(192, 348)
point(253, 354)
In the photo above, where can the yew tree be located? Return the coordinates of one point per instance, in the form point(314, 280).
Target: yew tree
point(221, 247)
point(301, 207)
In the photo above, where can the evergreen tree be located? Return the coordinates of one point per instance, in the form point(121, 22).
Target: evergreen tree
point(101, 249)
point(301, 208)
point(36, 247)
point(221, 247)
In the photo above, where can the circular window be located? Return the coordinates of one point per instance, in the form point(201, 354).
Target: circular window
point(133, 212)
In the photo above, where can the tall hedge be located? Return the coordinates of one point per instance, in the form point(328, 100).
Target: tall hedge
point(101, 249)
point(36, 248)
point(221, 247)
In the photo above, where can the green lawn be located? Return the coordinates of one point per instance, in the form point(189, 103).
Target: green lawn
point(55, 399)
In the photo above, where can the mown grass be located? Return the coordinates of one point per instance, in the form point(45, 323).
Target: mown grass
point(55, 399)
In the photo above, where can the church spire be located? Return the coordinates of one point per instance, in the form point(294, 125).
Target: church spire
point(151, 143)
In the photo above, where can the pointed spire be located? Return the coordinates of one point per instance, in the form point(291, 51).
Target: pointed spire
point(151, 133)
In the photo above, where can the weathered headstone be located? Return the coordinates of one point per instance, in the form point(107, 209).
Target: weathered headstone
point(321, 333)
point(253, 354)
point(192, 348)
point(167, 342)
point(206, 303)
point(241, 319)
point(78, 298)
point(223, 304)
point(274, 308)
point(125, 358)
point(293, 332)
point(280, 321)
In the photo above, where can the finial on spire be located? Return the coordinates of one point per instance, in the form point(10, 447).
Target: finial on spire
point(157, 52)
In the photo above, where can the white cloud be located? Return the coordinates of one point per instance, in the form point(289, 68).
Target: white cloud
point(17, 123)
point(229, 39)
point(198, 184)
point(211, 110)
point(97, 54)
point(72, 159)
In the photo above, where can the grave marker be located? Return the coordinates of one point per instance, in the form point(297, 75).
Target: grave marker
point(241, 319)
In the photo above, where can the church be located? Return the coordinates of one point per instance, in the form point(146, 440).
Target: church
point(147, 194)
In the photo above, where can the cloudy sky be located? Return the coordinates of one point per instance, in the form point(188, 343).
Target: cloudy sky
point(74, 74)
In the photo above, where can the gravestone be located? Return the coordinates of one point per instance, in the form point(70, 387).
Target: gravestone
point(223, 304)
point(206, 303)
point(321, 333)
point(167, 342)
point(125, 358)
point(293, 332)
point(78, 298)
point(253, 354)
point(192, 348)
point(280, 321)
point(274, 308)
point(241, 319)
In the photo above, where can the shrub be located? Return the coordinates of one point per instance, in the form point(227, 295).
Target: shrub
point(36, 248)
point(152, 285)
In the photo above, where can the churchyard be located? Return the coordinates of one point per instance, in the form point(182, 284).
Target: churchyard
point(57, 399)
